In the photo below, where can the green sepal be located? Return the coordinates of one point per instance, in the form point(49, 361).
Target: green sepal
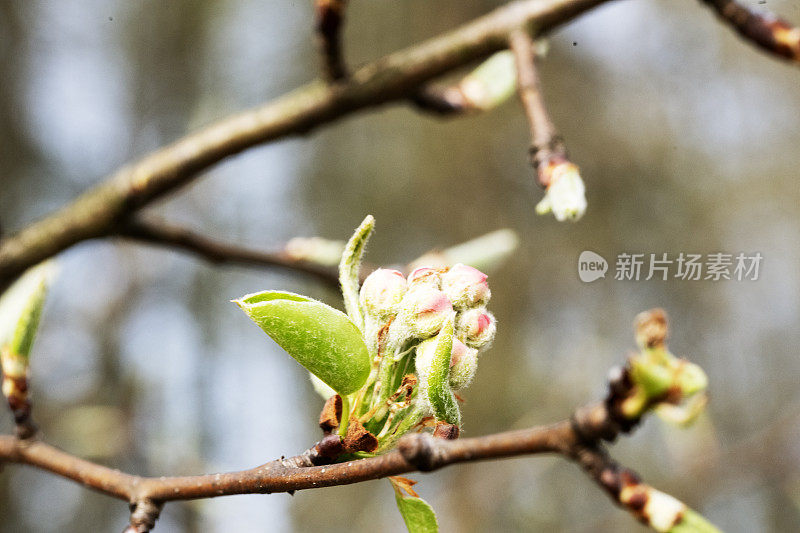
point(417, 514)
point(440, 395)
point(317, 336)
point(348, 270)
point(410, 420)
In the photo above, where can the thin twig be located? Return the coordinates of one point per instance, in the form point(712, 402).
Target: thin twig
point(764, 29)
point(329, 18)
point(393, 78)
point(218, 252)
point(547, 146)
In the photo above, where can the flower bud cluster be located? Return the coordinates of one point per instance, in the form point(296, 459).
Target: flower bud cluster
point(659, 378)
point(416, 309)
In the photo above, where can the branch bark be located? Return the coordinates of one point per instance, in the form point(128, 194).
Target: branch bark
point(419, 452)
point(762, 28)
point(579, 439)
point(393, 78)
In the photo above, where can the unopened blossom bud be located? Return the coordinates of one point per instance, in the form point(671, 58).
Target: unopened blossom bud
point(463, 364)
point(429, 276)
point(476, 327)
point(466, 286)
point(382, 292)
point(422, 313)
point(565, 195)
point(651, 328)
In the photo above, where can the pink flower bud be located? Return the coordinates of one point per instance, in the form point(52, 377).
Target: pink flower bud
point(463, 364)
point(477, 327)
point(426, 276)
point(459, 351)
point(466, 286)
point(423, 311)
point(382, 292)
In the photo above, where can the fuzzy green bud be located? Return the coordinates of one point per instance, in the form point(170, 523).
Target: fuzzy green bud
point(382, 292)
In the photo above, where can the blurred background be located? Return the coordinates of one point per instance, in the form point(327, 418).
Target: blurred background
point(687, 139)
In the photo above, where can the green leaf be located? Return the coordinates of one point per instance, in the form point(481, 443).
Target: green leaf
point(652, 376)
point(440, 395)
point(493, 82)
point(693, 522)
point(417, 514)
point(319, 337)
point(21, 308)
point(348, 270)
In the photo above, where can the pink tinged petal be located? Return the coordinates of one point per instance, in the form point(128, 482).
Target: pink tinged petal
point(437, 303)
point(424, 310)
point(476, 327)
point(460, 350)
point(466, 286)
point(425, 276)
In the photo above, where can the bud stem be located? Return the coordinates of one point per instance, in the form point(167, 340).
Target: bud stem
point(345, 415)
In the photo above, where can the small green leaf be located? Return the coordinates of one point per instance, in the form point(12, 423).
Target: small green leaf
point(319, 337)
point(417, 514)
point(348, 270)
point(654, 377)
point(440, 395)
point(493, 82)
point(21, 308)
point(693, 522)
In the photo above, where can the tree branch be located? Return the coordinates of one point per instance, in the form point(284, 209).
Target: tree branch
point(217, 252)
point(394, 77)
point(579, 439)
point(418, 452)
point(762, 28)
